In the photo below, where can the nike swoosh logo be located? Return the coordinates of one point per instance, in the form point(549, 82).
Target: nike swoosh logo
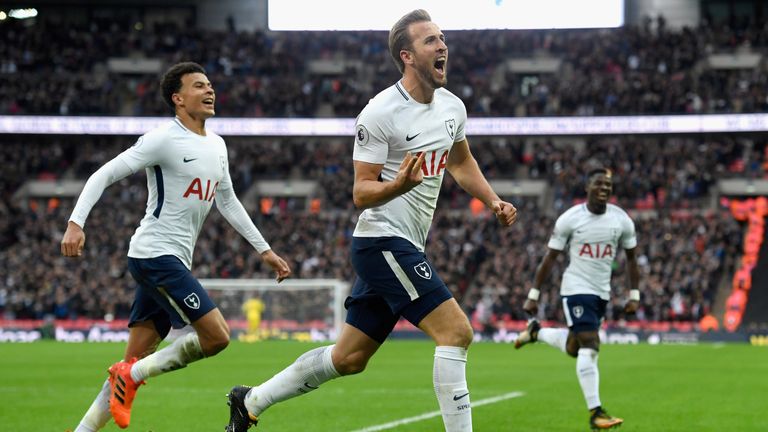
point(306, 384)
point(189, 160)
point(459, 397)
point(408, 138)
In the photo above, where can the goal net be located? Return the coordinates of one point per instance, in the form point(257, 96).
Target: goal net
point(301, 309)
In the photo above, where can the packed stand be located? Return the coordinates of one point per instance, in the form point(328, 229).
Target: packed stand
point(682, 259)
point(653, 172)
point(683, 252)
point(630, 70)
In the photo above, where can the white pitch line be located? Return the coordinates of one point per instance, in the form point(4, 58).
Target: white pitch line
point(431, 414)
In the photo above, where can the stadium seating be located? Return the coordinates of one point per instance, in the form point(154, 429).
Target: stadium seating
point(684, 250)
point(686, 244)
point(630, 70)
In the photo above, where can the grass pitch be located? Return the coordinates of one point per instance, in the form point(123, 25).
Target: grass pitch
point(47, 386)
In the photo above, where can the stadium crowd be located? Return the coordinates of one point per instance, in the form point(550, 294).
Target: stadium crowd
point(686, 246)
point(654, 171)
point(684, 249)
point(635, 69)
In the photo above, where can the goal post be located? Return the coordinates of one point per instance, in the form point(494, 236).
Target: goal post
point(305, 303)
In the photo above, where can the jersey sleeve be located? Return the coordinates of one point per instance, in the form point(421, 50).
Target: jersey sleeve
point(145, 152)
point(226, 179)
point(561, 233)
point(628, 235)
point(148, 151)
point(109, 173)
point(371, 144)
point(233, 211)
point(462, 120)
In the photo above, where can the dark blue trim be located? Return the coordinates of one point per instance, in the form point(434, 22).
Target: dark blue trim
point(160, 190)
point(402, 92)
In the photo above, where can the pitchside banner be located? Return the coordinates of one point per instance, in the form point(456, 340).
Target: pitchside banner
point(476, 126)
point(116, 331)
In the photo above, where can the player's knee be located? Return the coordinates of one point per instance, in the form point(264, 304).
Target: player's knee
point(459, 336)
point(572, 350)
point(588, 340)
point(350, 364)
point(572, 346)
point(466, 336)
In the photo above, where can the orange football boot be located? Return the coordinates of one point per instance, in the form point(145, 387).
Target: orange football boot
point(123, 391)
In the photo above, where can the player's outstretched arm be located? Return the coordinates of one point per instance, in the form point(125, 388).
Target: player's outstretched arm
point(279, 265)
point(531, 304)
point(73, 242)
point(368, 191)
point(234, 212)
point(465, 170)
point(633, 273)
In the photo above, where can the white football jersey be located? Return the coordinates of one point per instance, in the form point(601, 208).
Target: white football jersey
point(391, 125)
point(184, 173)
point(593, 241)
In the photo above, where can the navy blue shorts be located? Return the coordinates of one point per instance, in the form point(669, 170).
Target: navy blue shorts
point(394, 279)
point(167, 294)
point(584, 312)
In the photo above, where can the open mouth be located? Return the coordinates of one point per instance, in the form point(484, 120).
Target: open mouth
point(440, 65)
point(208, 102)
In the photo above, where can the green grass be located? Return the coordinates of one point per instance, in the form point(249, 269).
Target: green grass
point(47, 386)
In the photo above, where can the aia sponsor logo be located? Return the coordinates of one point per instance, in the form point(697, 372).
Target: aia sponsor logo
point(432, 165)
point(202, 191)
point(596, 250)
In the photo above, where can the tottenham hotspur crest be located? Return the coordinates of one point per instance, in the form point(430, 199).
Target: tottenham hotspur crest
point(578, 311)
point(193, 301)
point(450, 126)
point(422, 269)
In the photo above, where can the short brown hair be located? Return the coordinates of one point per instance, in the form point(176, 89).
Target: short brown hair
point(171, 82)
point(400, 39)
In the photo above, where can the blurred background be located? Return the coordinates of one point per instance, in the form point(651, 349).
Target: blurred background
point(671, 95)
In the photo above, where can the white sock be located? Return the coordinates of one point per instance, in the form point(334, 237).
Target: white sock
point(98, 414)
point(450, 379)
point(311, 369)
point(177, 355)
point(556, 337)
point(589, 376)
